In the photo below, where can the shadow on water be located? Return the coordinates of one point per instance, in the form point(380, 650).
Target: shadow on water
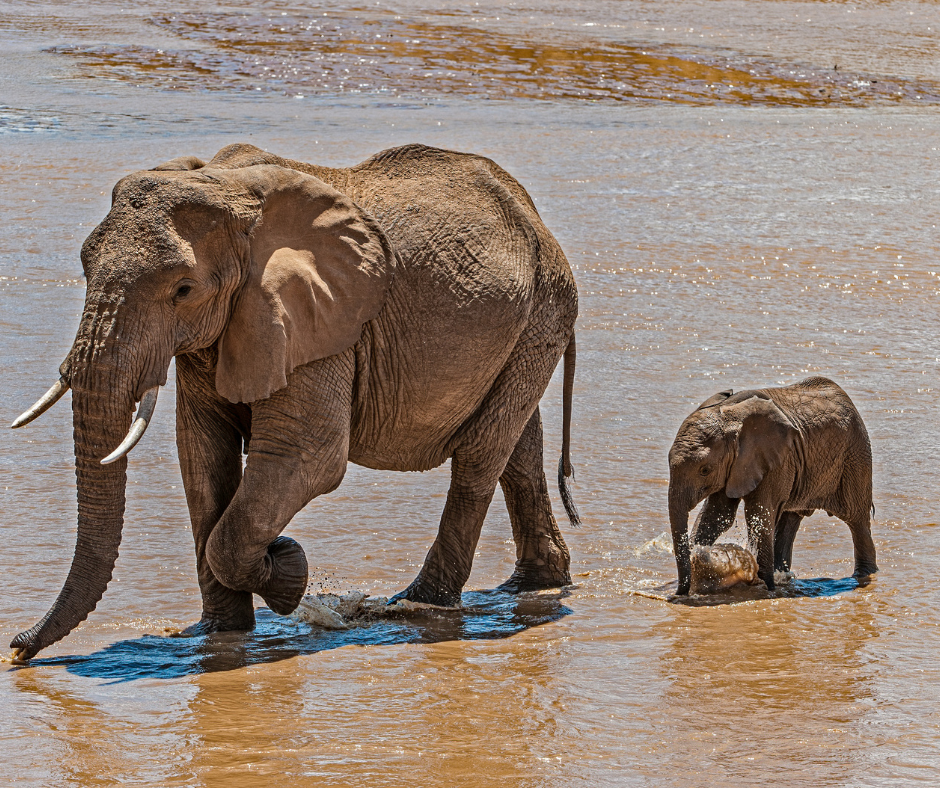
point(485, 615)
point(796, 588)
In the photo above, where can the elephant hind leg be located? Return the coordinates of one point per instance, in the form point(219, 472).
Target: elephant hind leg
point(481, 452)
point(865, 560)
point(542, 559)
point(449, 561)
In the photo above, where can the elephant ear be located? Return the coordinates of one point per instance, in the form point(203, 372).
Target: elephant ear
point(319, 268)
point(765, 437)
point(715, 399)
point(180, 163)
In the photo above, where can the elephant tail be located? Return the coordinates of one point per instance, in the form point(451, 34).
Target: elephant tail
point(565, 469)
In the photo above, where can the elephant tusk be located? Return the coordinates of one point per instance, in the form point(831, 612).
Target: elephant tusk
point(144, 413)
point(45, 402)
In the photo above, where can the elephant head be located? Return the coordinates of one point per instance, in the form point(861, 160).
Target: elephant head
point(271, 266)
point(728, 444)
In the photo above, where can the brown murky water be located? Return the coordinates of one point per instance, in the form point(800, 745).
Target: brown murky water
point(738, 211)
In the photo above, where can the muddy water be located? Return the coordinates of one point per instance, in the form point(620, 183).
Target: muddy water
point(739, 212)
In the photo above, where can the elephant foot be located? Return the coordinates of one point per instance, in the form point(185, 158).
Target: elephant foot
point(223, 609)
point(535, 578)
point(427, 593)
point(209, 626)
point(286, 570)
point(864, 570)
point(543, 562)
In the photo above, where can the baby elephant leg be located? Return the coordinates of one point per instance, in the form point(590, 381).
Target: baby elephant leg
point(788, 523)
point(716, 517)
point(761, 519)
point(865, 562)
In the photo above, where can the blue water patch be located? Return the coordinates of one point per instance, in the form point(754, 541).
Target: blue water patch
point(795, 589)
point(22, 121)
point(484, 615)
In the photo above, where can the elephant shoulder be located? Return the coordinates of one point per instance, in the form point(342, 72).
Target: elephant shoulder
point(822, 390)
point(449, 192)
point(417, 160)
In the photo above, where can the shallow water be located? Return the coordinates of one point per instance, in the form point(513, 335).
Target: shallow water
point(738, 213)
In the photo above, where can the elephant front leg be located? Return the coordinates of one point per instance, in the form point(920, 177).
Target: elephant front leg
point(245, 550)
point(298, 450)
point(209, 438)
point(716, 517)
point(761, 517)
point(542, 558)
point(784, 535)
point(247, 553)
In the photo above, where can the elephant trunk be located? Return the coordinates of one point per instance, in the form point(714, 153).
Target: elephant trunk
point(105, 377)
point(679, 508)
point(100, 421)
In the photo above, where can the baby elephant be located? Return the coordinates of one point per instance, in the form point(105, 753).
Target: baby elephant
point(787, 452)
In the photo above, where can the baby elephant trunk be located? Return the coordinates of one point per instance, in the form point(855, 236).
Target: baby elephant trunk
point(721, 566)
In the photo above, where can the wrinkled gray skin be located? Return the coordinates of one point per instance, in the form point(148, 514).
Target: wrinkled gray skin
point(402, 312)
point(787, 452)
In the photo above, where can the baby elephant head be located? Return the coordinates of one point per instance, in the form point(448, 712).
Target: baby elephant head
point(728, 444)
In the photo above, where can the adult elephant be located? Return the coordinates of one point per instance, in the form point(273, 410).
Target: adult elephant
point(396, 314)
point(786, 452)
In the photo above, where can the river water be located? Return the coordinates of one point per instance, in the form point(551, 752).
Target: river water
point(748, 194)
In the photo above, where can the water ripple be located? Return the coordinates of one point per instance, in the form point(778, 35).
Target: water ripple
point(382, 53)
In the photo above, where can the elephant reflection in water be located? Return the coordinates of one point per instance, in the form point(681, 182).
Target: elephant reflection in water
point(795, 675)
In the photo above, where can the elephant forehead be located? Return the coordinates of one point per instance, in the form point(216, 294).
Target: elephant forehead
point(700, 431)
point(153, 222)
point(689, 451)
point(152, 196)
point(123, 243)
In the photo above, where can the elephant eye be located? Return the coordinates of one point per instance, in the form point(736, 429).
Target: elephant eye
point(183, 290)
point(705, 470)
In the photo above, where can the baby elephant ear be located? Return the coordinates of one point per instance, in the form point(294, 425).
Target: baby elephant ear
point(715, 399)
point(765, 437)
point(319, 268)
point(181, 163)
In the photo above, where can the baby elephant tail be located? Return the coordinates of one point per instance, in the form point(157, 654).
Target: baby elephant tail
point(565, 469)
